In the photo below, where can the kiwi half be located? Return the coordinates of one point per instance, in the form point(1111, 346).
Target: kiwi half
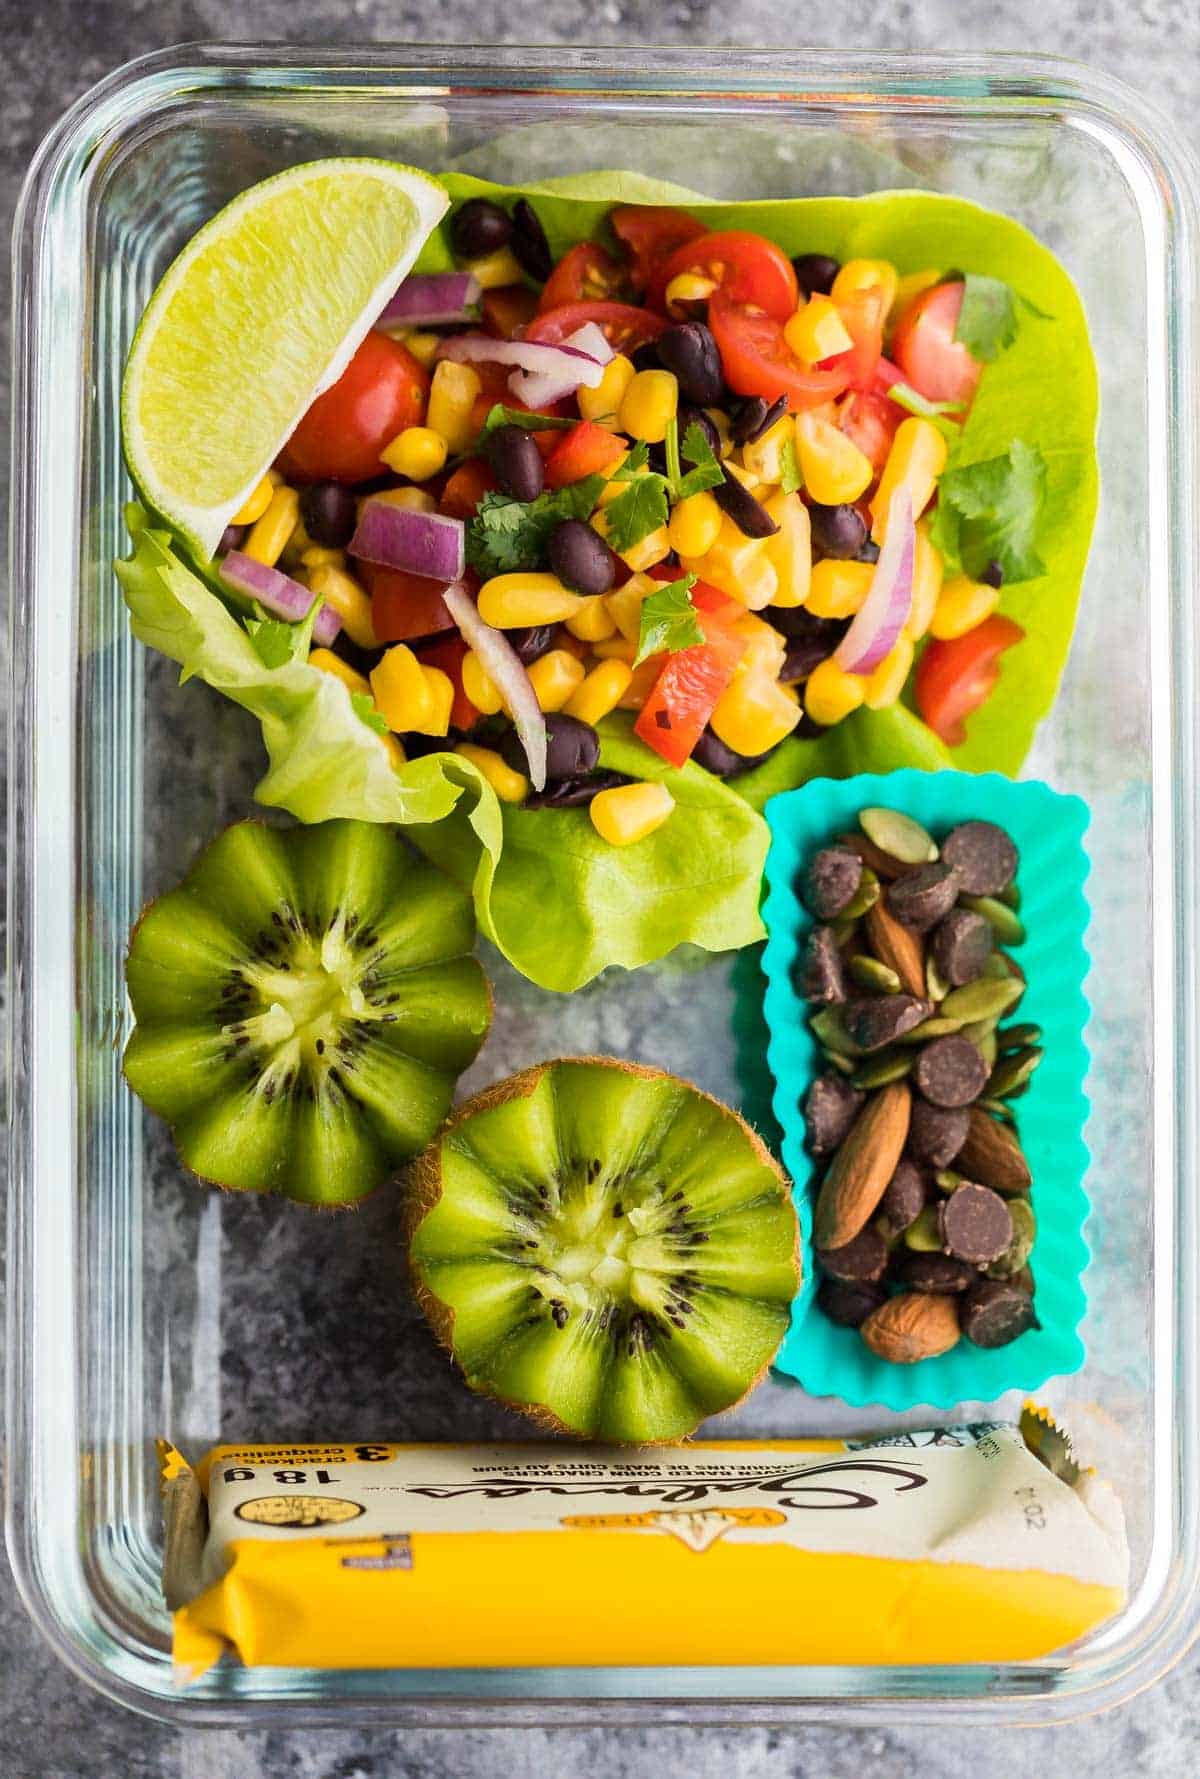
point(604, 1247)
point(305, 1002)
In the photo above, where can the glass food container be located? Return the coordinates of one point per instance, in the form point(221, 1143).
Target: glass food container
point(131, 1286)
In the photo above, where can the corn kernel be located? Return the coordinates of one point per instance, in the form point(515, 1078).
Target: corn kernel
point(685, 290)
point(413, 500)
point(739, 566)
point(927, 584)
point(834, 469)
point(441, 701)
point(962, 604)
point(857, 275)
point(479, 685)
point(616, 648)
point(916, 460)
point(497, 269)
point(593, 622)
point(649, 405)
point(763, 457)
point(741, 474)
point(327, 662)
point(837, 589)
point(349, 600)
point(600, 692)
point(720, 420)
point(452, 394)
point(256, 502)
point(292, 554)
point(624, 606)
point(401, 691)
point(422, 345)
point(816, 330)
point(645, 553)
point(395, 751)
point(512, 601)
point(765, 647)
point(629, 812)
point(273, 529)
point(790, 550)
point(754, 712)
point(886, 682)
point(602, 403)
point(321, 556)
point(830, 693)
point(418, 453)
point(509, 785)
point(909, 288)
point(555, 677)
point(695, 524)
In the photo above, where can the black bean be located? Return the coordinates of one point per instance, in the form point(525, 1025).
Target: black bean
point(575, 793)
point(935, 1134)
point(689, 350)
point(975, 1224)
point(904, 1197)
point(646, 357)
point(822, 974)
point(922, 897)
point(848, 1305)
point(837, 531)
point(830, 1109)
point(830, 881)
point(751, 519)
point(365, 661)
point(996, 1312)
point(516, 461)
point(863, 1259)
point(962, 944)
point(869, 552)
point(815, 272)
point(581, 559)
point(572, 746)
point(754, 418)
point(993, 574)
point(711, 753)
point(876, 1020)
point(479, 227)
point(940, 1275)
point(984, 857)
point(799, 625)
point(950, 1072)
point(800, 660)
point(533, 641)
point(529, 244)
point(329, 512)
point(231, 538)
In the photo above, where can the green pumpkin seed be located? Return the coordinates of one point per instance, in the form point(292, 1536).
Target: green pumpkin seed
point(946, 1180)
point(924, 1236)
point(935, 1027)
point(997, 1109)
point(870, 973)
point(936, 986)
point(898, 835)
point(865, 896)
point(843, 1064)
point(982, 999)
point(1005, 923)
point(1011, 1073)
point(996, 969)
point(889, 1065)
point(1018, 1037)
point(983, 1035)
point(842, 930)
point(829, 1029)
point(1016, 1256)
point(1011, 896)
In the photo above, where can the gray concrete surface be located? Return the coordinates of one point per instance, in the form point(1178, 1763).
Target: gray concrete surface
point(49, 1727)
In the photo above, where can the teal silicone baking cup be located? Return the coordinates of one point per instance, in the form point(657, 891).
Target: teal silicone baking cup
point(1048, 829)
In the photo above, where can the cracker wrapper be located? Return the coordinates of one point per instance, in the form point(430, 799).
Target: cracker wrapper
point(973, 1544)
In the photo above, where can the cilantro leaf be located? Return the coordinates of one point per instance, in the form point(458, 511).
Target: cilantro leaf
point(634, 462)
point(507, 535)
point(280, 640)
point(364, 707)
point(636, 513)
point(669, 620)
point(502, 416)
point(790, 478)
point(946, 416)
point(696, 448)
point(695, 481)
point(705, 472)
point(987, 321)
point(990, 512)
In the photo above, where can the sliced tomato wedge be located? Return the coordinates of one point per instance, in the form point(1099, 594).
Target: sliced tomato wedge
point(936, 364)
point(585, 274)
point(404, 606)
point(624, 327)
point(466, 488)
point(756, 358)
point(887, 375)
point(748, 268)
point(954, 678)
point(587, 450)
point(448, 656)
point(507, 309)
point(870, 419)
point(652, 233)
point(687, 691)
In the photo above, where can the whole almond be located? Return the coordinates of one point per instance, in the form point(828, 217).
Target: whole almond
point(916, 1325)
point(992, 1155)
point(859, 1173)
point(897, 946)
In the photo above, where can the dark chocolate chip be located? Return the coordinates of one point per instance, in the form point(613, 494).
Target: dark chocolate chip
point(864, 1259)
point(962, 945)
point(950, 1072)
point(829, 1111)
point(936, 1134)
point(922, 897)
point(975, 1224)
point(848, 1305)
point(822, 975)
point(941, 1275)
point(995, 1312)
point(904, 1199)
point(983, 855)
point(831, 882)
point(877, 1020)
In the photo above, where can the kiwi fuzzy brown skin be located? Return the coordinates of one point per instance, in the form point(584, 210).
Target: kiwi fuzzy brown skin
point(424, 1191)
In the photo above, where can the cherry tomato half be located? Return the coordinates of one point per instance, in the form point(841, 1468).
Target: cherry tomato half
point(863, 314)
point(584, 274)
point(936, 364)
point(954, 678)
point(506, 310)
point(404, 606)
point(624, 327)
point(652, 233)
point(748, 268)
point(756, 358)
point(381, 391)
point(870, 419)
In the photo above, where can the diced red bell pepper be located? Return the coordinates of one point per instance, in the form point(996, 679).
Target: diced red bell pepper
point(466, 488)
point(507, 309)
point(687, 691)
point(587, 450)
point(448, 656)
point(404, 605)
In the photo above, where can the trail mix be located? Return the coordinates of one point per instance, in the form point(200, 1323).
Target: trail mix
point(923, 1225)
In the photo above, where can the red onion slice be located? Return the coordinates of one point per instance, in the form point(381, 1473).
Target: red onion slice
point(278, 593)
point(432, 299)
point(427, 544)
point(526, 355)
point(884, 612)
point(543, 389)
point(504, 668)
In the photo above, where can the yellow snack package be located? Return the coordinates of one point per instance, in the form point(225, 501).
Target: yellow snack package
point(972, 1544)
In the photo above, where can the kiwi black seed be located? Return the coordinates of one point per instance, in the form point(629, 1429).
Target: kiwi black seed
point(604, 1247)
point(305, 1001)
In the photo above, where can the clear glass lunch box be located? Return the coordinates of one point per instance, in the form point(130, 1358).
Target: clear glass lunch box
point(144, 1305)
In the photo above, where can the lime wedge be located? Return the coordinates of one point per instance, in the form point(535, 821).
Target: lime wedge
point(262, 310)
